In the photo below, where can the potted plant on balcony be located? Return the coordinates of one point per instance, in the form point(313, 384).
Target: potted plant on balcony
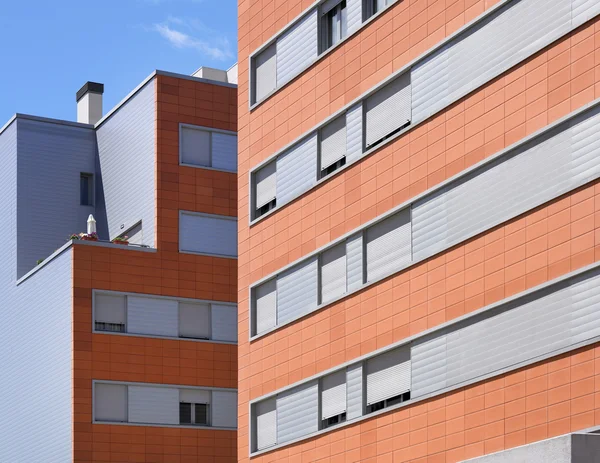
point(88, 236)
point(121, 240)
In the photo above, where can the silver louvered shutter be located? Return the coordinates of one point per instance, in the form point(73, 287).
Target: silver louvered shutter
point(224, 151)
point(194, 320)
point(584, 10)
point(298, 412)
point(388, 109)
point(354, 390)
point(224, 322)
point(110, 402)
point(224, 409)
point(266, 424)
point(146, 315)
point(333, 394)
point(266, 306)
point(265, 75)
point(109, 308)
point(333, 142)
point(486, 50)
point(355, 9)
point(354, 261)
point(297, 170)
point(388, 375)
point(562, 160)
point(297, 48)
point(195, 146)
point(354, 133)
point(333, 272)
point(553, 319)
point(388, 245)
point(208, 235)
point(297, 290)
point(153, 405)
point(194, 396)
point(266, 184)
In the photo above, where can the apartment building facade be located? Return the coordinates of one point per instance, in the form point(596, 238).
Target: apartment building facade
point(418, 230)
point(113, 352)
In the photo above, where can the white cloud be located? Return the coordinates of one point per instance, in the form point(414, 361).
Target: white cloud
point(216, 47)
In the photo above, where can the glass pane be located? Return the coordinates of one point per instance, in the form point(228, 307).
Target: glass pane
point(185, 413)
point(201, 415)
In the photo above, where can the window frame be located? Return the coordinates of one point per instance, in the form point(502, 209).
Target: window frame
point(337, 14)
point(89, 178)
point(210, 131)
point(193, 422)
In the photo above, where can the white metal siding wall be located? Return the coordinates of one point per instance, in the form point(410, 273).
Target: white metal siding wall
point(208, 235)
point(153, 405)
point(297, 290)
point(128, 180)
point(354, 261)
point(539, 171)
point(354, 133)
point(552, 319)
point(297, 48)
point(224, 409)
point(354, 389)
point(146, 315)
point(297, 170)
point(496, 44)
point(224, 151)
point(298, 412)
point(224, 322)
point(50, 159)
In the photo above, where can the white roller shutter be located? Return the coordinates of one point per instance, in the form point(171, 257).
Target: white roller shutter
point(224, 409)
point(109, 308)
point(388, 109)
point(224, 322)
point(194, 320)
point(354, 133)
point(388, 245)
point(214, 235)
point(354, 261)
point(153, 405)
point(297, 169)
point(388, 375)
point(110, 402)
point(266, 184)
point(266, 306)
point(266, 424)
point(147, 315)
point(194, 396)
point(333, 272)
point(224, 151)
point(297, 48)
point(333, 395)
point(297, 290)
point(354, 387)
point(265, 75)
point(333, 142)
point(298, 412)
point(195, 146)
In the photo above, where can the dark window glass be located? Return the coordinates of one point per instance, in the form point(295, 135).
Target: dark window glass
point(86, 183)
point(201, 414)
point(185, 413)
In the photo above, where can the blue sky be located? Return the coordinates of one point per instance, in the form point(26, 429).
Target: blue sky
point(51, 48)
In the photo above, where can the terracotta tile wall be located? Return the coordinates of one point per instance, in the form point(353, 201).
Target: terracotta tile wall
point(530, 96)
point(399, 35)
point(166, 272)
point(547, 399)
point(540, 245)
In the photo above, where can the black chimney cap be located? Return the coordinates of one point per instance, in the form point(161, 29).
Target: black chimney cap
point(93, 87)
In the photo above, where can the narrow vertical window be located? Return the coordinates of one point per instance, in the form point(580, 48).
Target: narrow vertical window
point(86, 189)
point(334, 23)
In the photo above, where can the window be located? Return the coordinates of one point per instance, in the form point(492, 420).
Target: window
point(194, 320)
point(333, 398)
point(333, 272)
point(114, 327)
point(208, 148)
point(110, 402)
point(265, 181)
point(388, 402)
point(265, 424)
point(334, 23)
point(86, 189)
point(193, 414)
point(372, 7)
point(333, 146)
point(265, 72)
point(110, 313)
point(214, 235)
point(388, 110)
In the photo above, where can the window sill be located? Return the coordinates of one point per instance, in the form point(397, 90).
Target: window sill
point(154, 425)
point(171, 338)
